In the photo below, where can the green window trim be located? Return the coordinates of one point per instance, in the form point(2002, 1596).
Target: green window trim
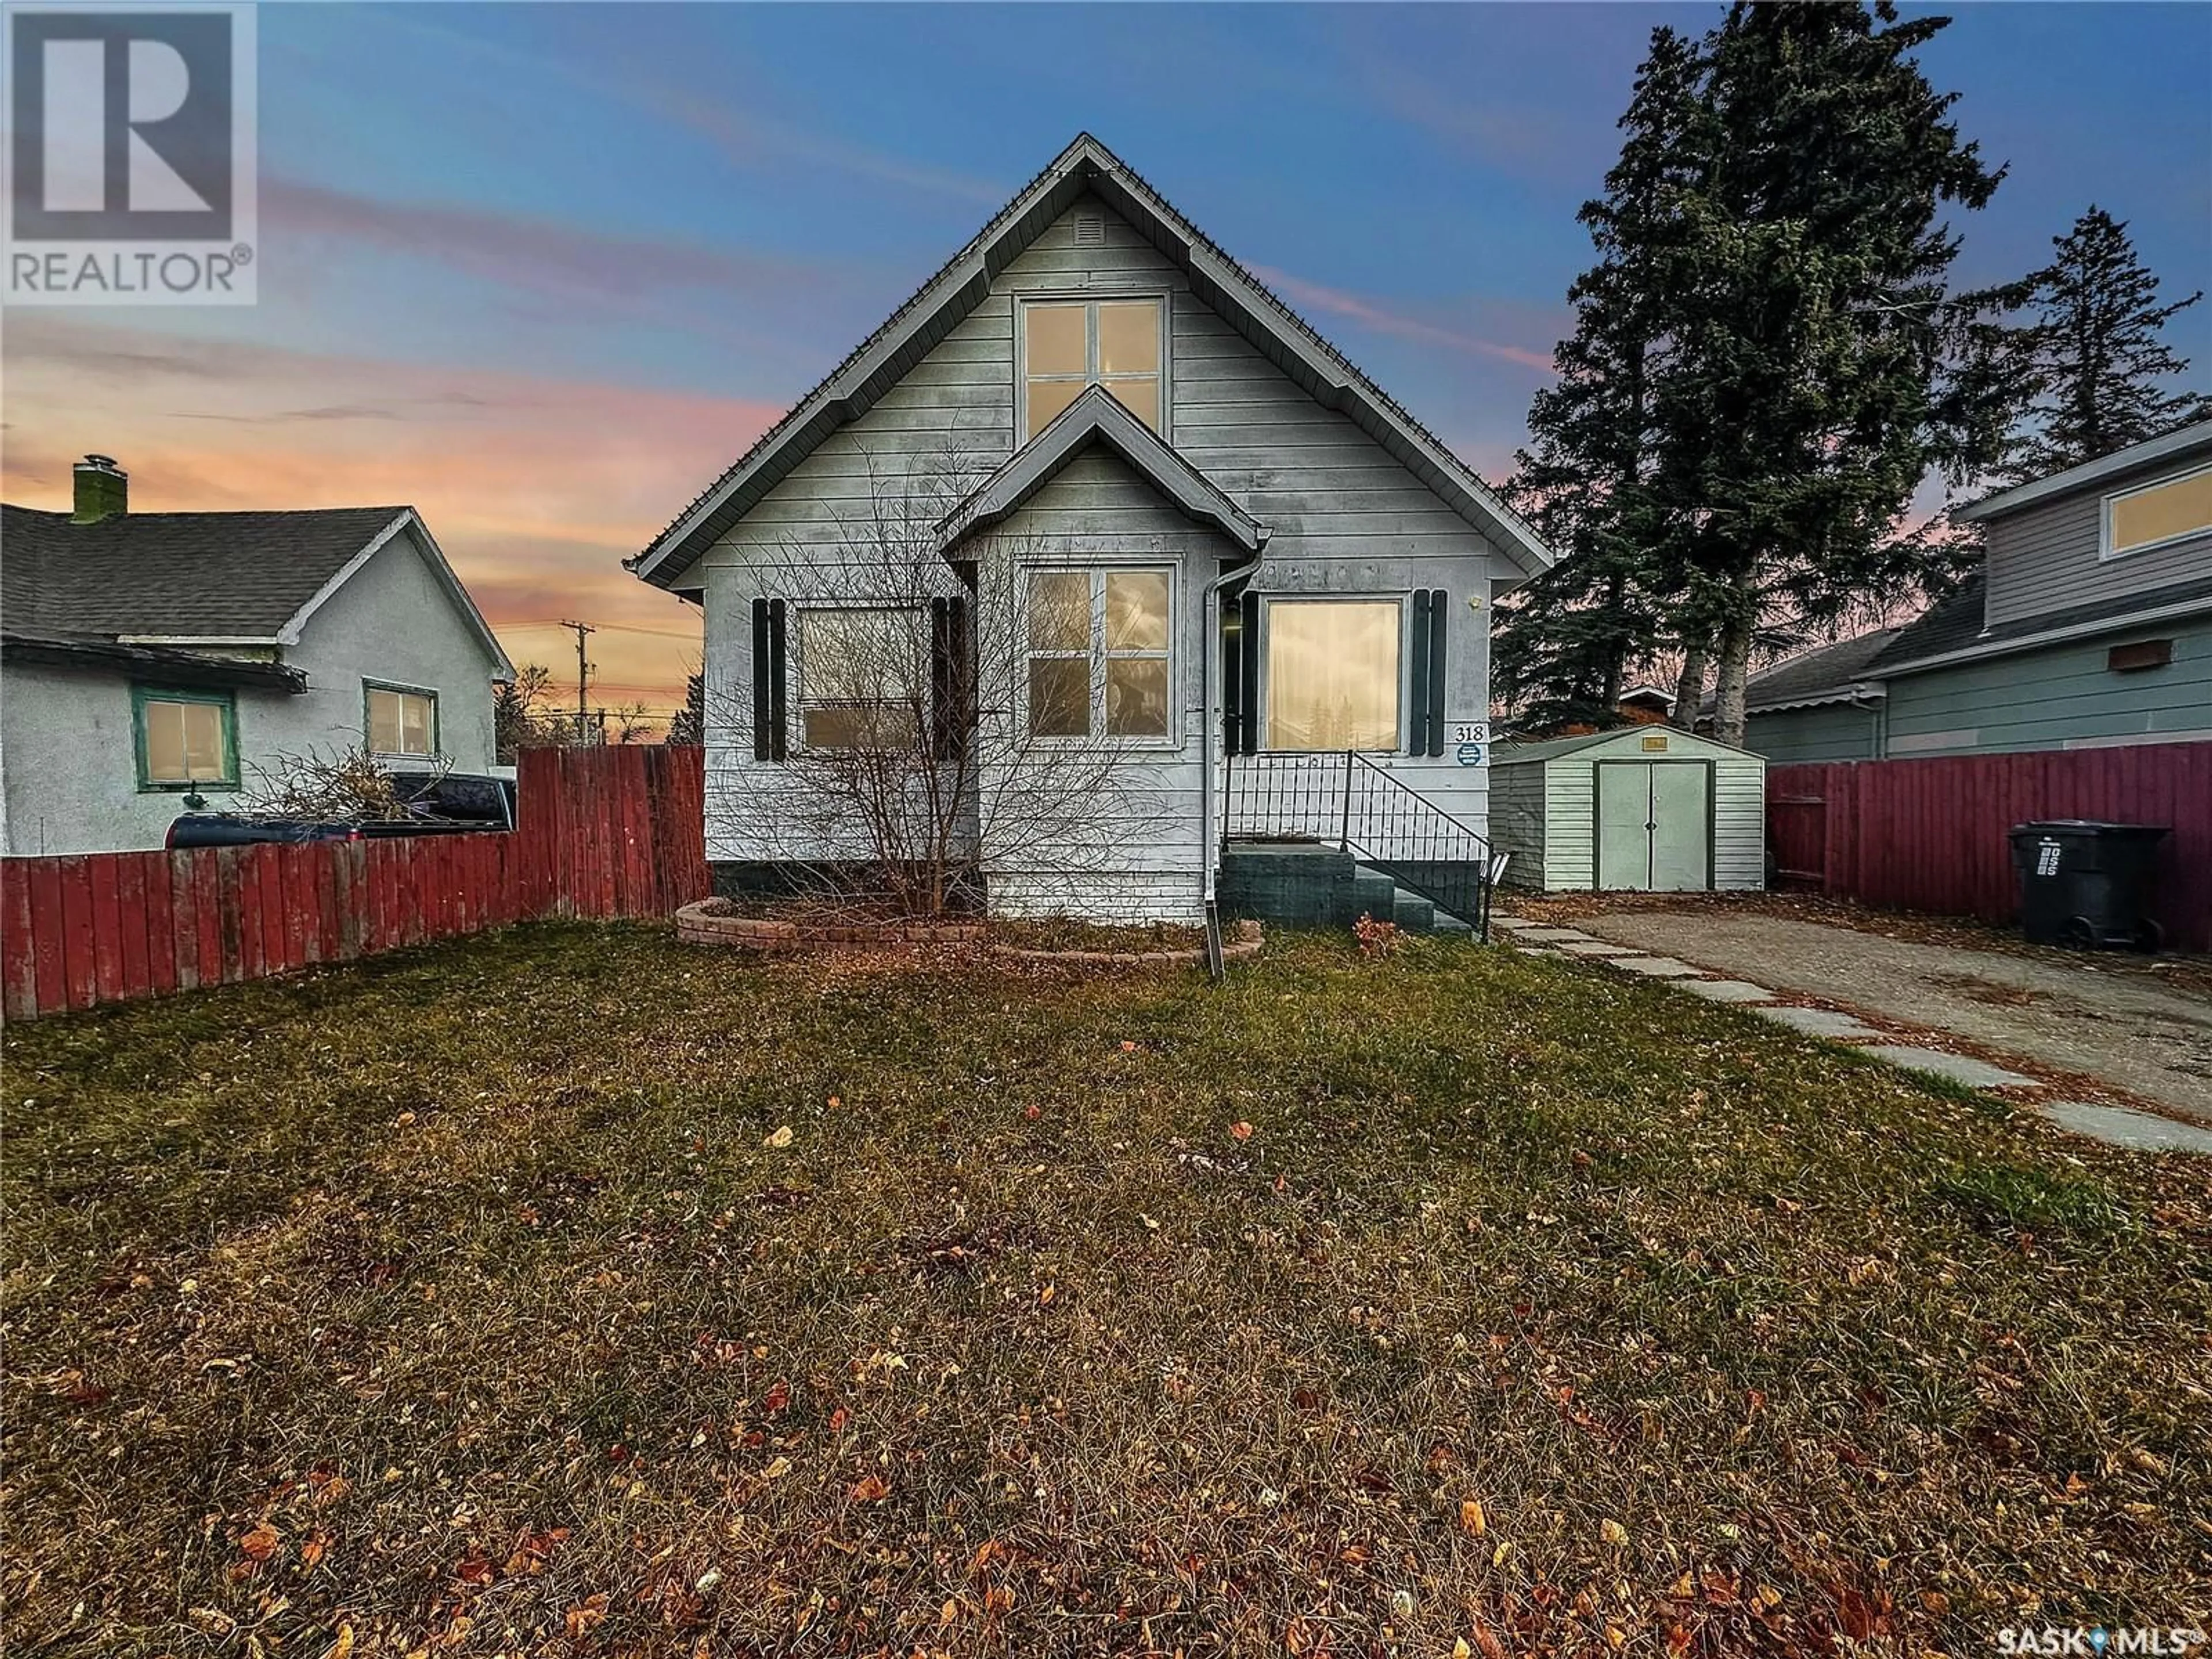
point(367, 727)
point(226, 702)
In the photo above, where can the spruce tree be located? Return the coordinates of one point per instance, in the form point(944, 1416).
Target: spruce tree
point(1567, 639)
point(1801, 397)
point(2091, 365)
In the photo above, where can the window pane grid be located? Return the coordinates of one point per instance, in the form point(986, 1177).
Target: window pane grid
point(1120, 349)
point(401, 722)
point(1117, 680)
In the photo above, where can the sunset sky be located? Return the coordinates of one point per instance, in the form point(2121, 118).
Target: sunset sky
point(543, 271)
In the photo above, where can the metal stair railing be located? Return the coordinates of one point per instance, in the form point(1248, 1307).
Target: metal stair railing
point(1347, 800)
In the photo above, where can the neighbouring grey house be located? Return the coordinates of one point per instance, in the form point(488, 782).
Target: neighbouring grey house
point(1640, 808)
point(149, 657)
point(1237, 557)
point(2089, 625)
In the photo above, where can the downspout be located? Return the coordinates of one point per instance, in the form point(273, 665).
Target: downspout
point(1209, 659)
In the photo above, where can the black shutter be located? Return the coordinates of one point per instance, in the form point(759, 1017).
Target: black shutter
point(778, 710)
point(1248, 693)
point(1417, 734)
point(761, 740)
point(951, 713)
point(1438, 611)
point(1232, 678)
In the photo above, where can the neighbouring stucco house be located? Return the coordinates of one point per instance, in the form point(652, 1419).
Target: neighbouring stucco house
point(2089, 625)
point(1227, 541)
point(147, 657)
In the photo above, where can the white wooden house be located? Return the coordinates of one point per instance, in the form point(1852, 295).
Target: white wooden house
point(1639, 809)
point(1278, 562)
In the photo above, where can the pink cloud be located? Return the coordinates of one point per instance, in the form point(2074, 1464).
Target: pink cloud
point(1315, 297)
point(536, 488)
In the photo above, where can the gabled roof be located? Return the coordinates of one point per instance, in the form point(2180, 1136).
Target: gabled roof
point(1828, 673)
point(1550, 749)
point(1085, 166)
point(1097, 417)
point(2173, 446)
point(204, 579)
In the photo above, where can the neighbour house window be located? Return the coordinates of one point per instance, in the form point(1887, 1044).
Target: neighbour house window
point(2164, 512)
point(1333, 673)
point(185, 739)
point(400, 720)
point(1099, 653)
point(1068, 344)
point(861, 674)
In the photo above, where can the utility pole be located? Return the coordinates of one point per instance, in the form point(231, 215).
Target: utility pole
point(583, 674)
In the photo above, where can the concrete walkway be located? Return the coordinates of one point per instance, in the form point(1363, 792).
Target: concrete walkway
point(2137, 1039)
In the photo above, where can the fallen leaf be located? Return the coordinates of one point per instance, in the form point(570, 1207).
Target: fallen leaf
point(779, 1140)
point(869, 1490)
point(1241, 1131)
point(1613, 1532)
point(261, 1543)
point(1046, 1295)
point(1471, 1519)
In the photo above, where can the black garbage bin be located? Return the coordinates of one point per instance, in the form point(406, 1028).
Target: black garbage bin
point(2086, 883)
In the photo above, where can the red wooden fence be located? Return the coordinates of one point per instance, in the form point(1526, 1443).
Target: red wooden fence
point(603, 832)
point(1931, 834)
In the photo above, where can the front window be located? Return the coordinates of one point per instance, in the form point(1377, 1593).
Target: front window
point(2159, 513)
point(402, 722)
point(1067, 345)
point(186, 740)
point(1333, 674)
point(860, 679)
point(1099, 653)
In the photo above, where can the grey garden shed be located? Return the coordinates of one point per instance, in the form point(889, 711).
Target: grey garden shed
point(1641, 809)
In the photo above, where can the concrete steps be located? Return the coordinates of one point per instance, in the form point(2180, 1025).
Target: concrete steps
point(1304, 884)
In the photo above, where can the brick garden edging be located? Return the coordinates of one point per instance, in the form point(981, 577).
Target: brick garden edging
point(710, 921)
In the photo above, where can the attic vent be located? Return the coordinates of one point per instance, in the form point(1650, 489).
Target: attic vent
point(1089, 229)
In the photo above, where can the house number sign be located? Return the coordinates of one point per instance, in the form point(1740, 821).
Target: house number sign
point(1471, 742)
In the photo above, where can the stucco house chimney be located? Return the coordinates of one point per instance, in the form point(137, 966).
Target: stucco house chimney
point(103, 489)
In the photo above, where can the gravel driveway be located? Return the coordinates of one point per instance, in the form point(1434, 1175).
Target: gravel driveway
point(2135, 1036)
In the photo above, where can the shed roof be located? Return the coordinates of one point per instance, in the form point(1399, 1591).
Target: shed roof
point(879, 361)
point(1552, 749)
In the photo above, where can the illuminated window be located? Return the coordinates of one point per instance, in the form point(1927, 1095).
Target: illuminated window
point(186, 740)
point(1069, 344)
point(1100, 653)
point(861, 674)
point(401, 722)
point(2159, 513)
point(1333, 673)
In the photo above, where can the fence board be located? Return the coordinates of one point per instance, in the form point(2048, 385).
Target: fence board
point(601, 833)
point(1932, 835)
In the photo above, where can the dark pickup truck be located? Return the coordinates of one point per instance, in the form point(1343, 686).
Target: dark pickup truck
point(438, 804)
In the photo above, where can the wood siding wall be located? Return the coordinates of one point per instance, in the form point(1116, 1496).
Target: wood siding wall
point(1932, 835)
point(2044, 558)
point(604, 832)
point(2052, 698)
point(1345, 515)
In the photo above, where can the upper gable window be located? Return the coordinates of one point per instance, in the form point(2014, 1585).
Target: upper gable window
point(1068, 344)
point(2157, 514)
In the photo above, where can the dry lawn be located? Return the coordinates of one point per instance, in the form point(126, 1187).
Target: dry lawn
point(568, 1291)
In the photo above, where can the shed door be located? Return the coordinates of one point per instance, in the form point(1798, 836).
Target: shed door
point(1654, 825)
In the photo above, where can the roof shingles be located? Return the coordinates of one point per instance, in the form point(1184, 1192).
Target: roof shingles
point(241, 575)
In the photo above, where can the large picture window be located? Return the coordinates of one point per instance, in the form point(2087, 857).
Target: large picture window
point(1100, 653)
point(1334, 680)
point(185, 739)
point(1068, 344)
point(400, 721)
point(859, 679)
point(2165, 512)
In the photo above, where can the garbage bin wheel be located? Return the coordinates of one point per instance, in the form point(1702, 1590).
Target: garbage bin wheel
point(2079, 933)
point(2150, 938)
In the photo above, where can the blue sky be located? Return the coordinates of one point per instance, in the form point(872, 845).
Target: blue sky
point(544, 269)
